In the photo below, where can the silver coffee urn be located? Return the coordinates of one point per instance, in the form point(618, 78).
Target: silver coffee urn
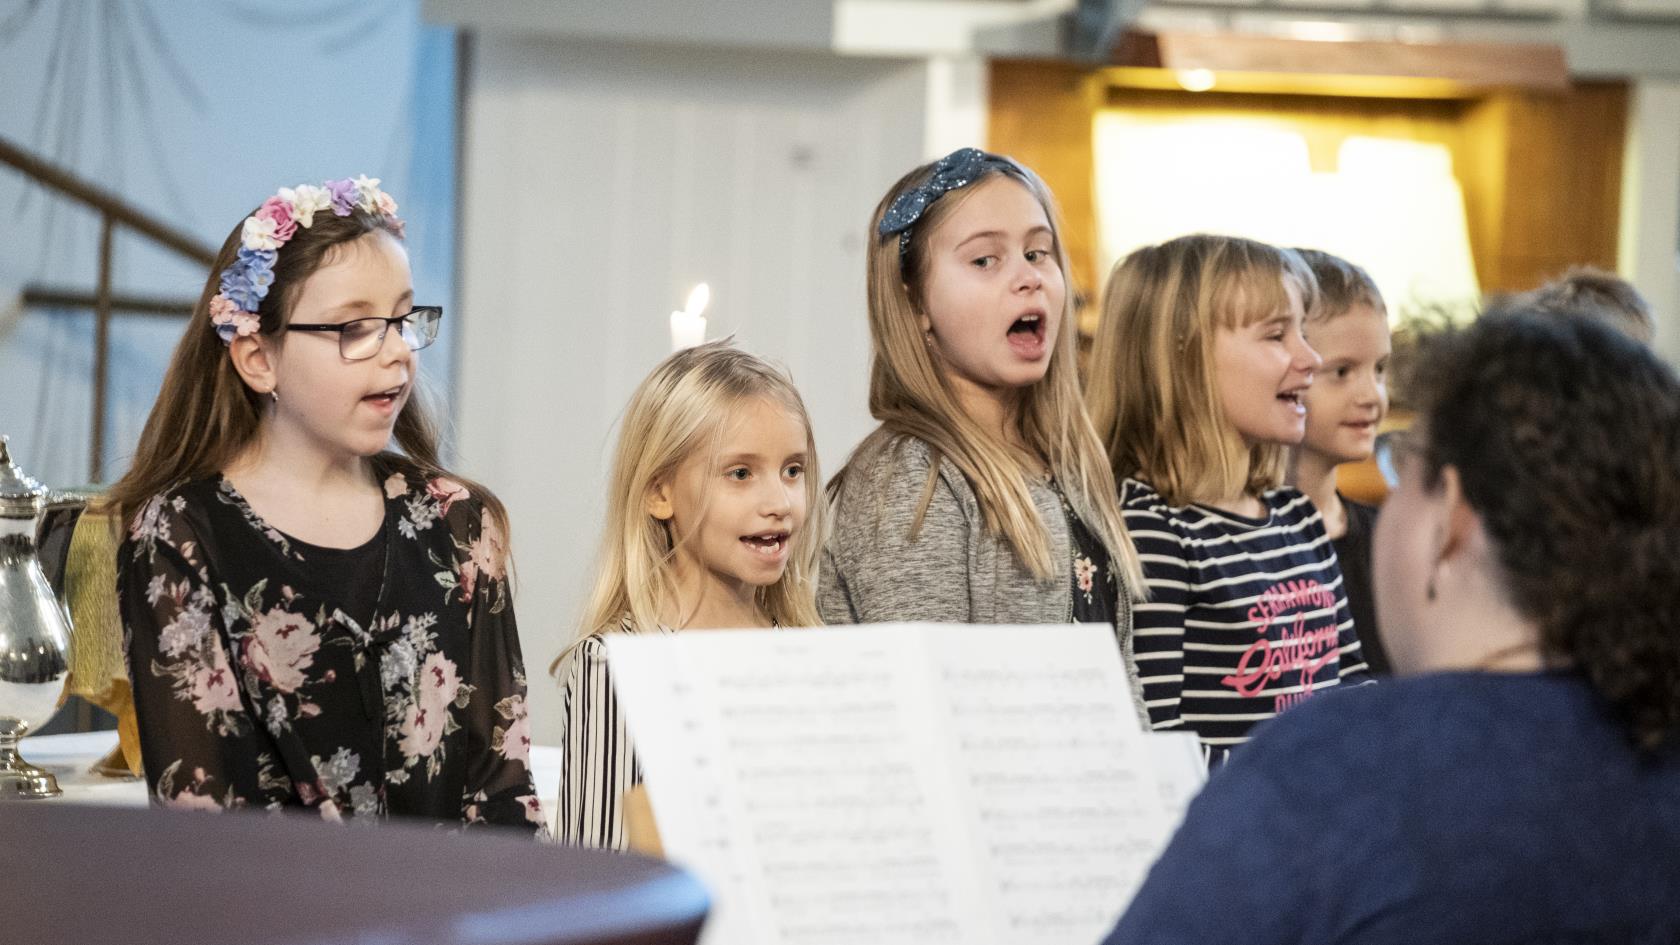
point(34, 634)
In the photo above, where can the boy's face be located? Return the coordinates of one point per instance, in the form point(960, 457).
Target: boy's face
point(1349, 394)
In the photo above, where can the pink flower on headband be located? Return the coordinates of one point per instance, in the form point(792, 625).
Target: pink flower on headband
point(280, 211)
point(230, 320)
point(387, 206)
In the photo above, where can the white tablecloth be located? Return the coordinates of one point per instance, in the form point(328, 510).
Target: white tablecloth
point(70, 758)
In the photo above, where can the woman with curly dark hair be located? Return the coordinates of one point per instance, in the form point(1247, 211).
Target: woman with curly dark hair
point(1526, 786)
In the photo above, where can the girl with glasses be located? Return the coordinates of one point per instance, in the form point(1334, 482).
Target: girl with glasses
point(314, 619)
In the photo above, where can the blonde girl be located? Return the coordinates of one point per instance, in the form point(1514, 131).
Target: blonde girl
point(313, 619)
point(713, 521)
point(1197, 379)
point(983, 497)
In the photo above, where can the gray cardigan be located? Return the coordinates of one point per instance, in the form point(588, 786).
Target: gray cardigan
point(953, 571)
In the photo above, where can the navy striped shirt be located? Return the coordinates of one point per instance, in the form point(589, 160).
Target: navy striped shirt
point(1245, 616)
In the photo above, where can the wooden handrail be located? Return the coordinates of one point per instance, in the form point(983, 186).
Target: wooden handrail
point(49, 297)
point(105, 202)
point(113, 212)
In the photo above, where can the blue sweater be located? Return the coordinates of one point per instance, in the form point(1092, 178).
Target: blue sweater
point(1460, 807)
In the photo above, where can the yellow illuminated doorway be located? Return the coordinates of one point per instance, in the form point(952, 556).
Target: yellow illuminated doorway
point(1537, 174)
point(1391, 204)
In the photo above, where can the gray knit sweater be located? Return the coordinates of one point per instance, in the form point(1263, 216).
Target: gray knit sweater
point(953, 571)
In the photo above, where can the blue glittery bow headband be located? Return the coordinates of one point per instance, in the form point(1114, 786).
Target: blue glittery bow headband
point(953, 172)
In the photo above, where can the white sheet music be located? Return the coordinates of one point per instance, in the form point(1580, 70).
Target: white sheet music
point(901, 783)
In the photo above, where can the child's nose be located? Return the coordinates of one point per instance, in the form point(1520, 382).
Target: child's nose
point(394, 347)
point(1026, 274)
point(1370, 390)
point(1306, 359)
point(776, 499)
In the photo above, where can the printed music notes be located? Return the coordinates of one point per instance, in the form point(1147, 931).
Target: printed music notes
point(902, 783)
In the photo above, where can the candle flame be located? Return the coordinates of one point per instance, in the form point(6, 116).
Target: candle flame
point(698, 299)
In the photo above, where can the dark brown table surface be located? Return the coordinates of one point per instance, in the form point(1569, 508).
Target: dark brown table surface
point(80, 875)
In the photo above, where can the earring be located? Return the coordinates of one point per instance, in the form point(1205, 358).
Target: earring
point(274, 393)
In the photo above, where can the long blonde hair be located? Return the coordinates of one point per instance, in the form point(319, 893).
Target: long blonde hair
point(912, 397)
point(1152, 393)
point(680, 409)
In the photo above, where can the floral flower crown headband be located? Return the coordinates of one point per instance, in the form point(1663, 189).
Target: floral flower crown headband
point(233, 310)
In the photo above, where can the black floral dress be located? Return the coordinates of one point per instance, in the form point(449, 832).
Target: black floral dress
point(258, 685)
point(1096, 589)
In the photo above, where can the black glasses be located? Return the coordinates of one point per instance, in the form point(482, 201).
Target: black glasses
point(362, 338)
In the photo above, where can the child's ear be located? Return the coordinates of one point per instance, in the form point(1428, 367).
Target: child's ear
point(256, 363)
point(658, 502)
point(923, 322)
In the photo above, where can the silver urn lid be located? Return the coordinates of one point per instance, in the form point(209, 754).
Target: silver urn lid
point(20, 496)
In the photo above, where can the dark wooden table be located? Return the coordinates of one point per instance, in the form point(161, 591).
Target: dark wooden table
point(74, 875)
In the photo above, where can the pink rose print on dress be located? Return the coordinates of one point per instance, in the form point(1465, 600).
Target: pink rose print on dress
point(423, 724)
point(190, 796)
point(513, 742)
point(487, 557)
point(446, 492)
point(280, 647)
point(210, 685)
point(533, 808)
point(1084, 570)
point(489, 551)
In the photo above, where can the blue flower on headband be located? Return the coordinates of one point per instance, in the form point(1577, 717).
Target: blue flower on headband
point(241, 292)
point(954, 171)
point(258, 265)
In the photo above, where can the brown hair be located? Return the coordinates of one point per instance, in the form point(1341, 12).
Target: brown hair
point(1152, 393)
point(1598, 294)
point(1341, 286)
point(911, 397)
point(205, 415)
point(1566, 437)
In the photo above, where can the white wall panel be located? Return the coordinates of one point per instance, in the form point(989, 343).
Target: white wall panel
point(599, 184)
point(1650, 238)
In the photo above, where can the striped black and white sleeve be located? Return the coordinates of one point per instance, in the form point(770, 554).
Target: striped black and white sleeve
point(1158, 621)
point(599, 762)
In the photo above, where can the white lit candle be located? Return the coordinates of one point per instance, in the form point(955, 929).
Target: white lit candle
point(688, 326)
